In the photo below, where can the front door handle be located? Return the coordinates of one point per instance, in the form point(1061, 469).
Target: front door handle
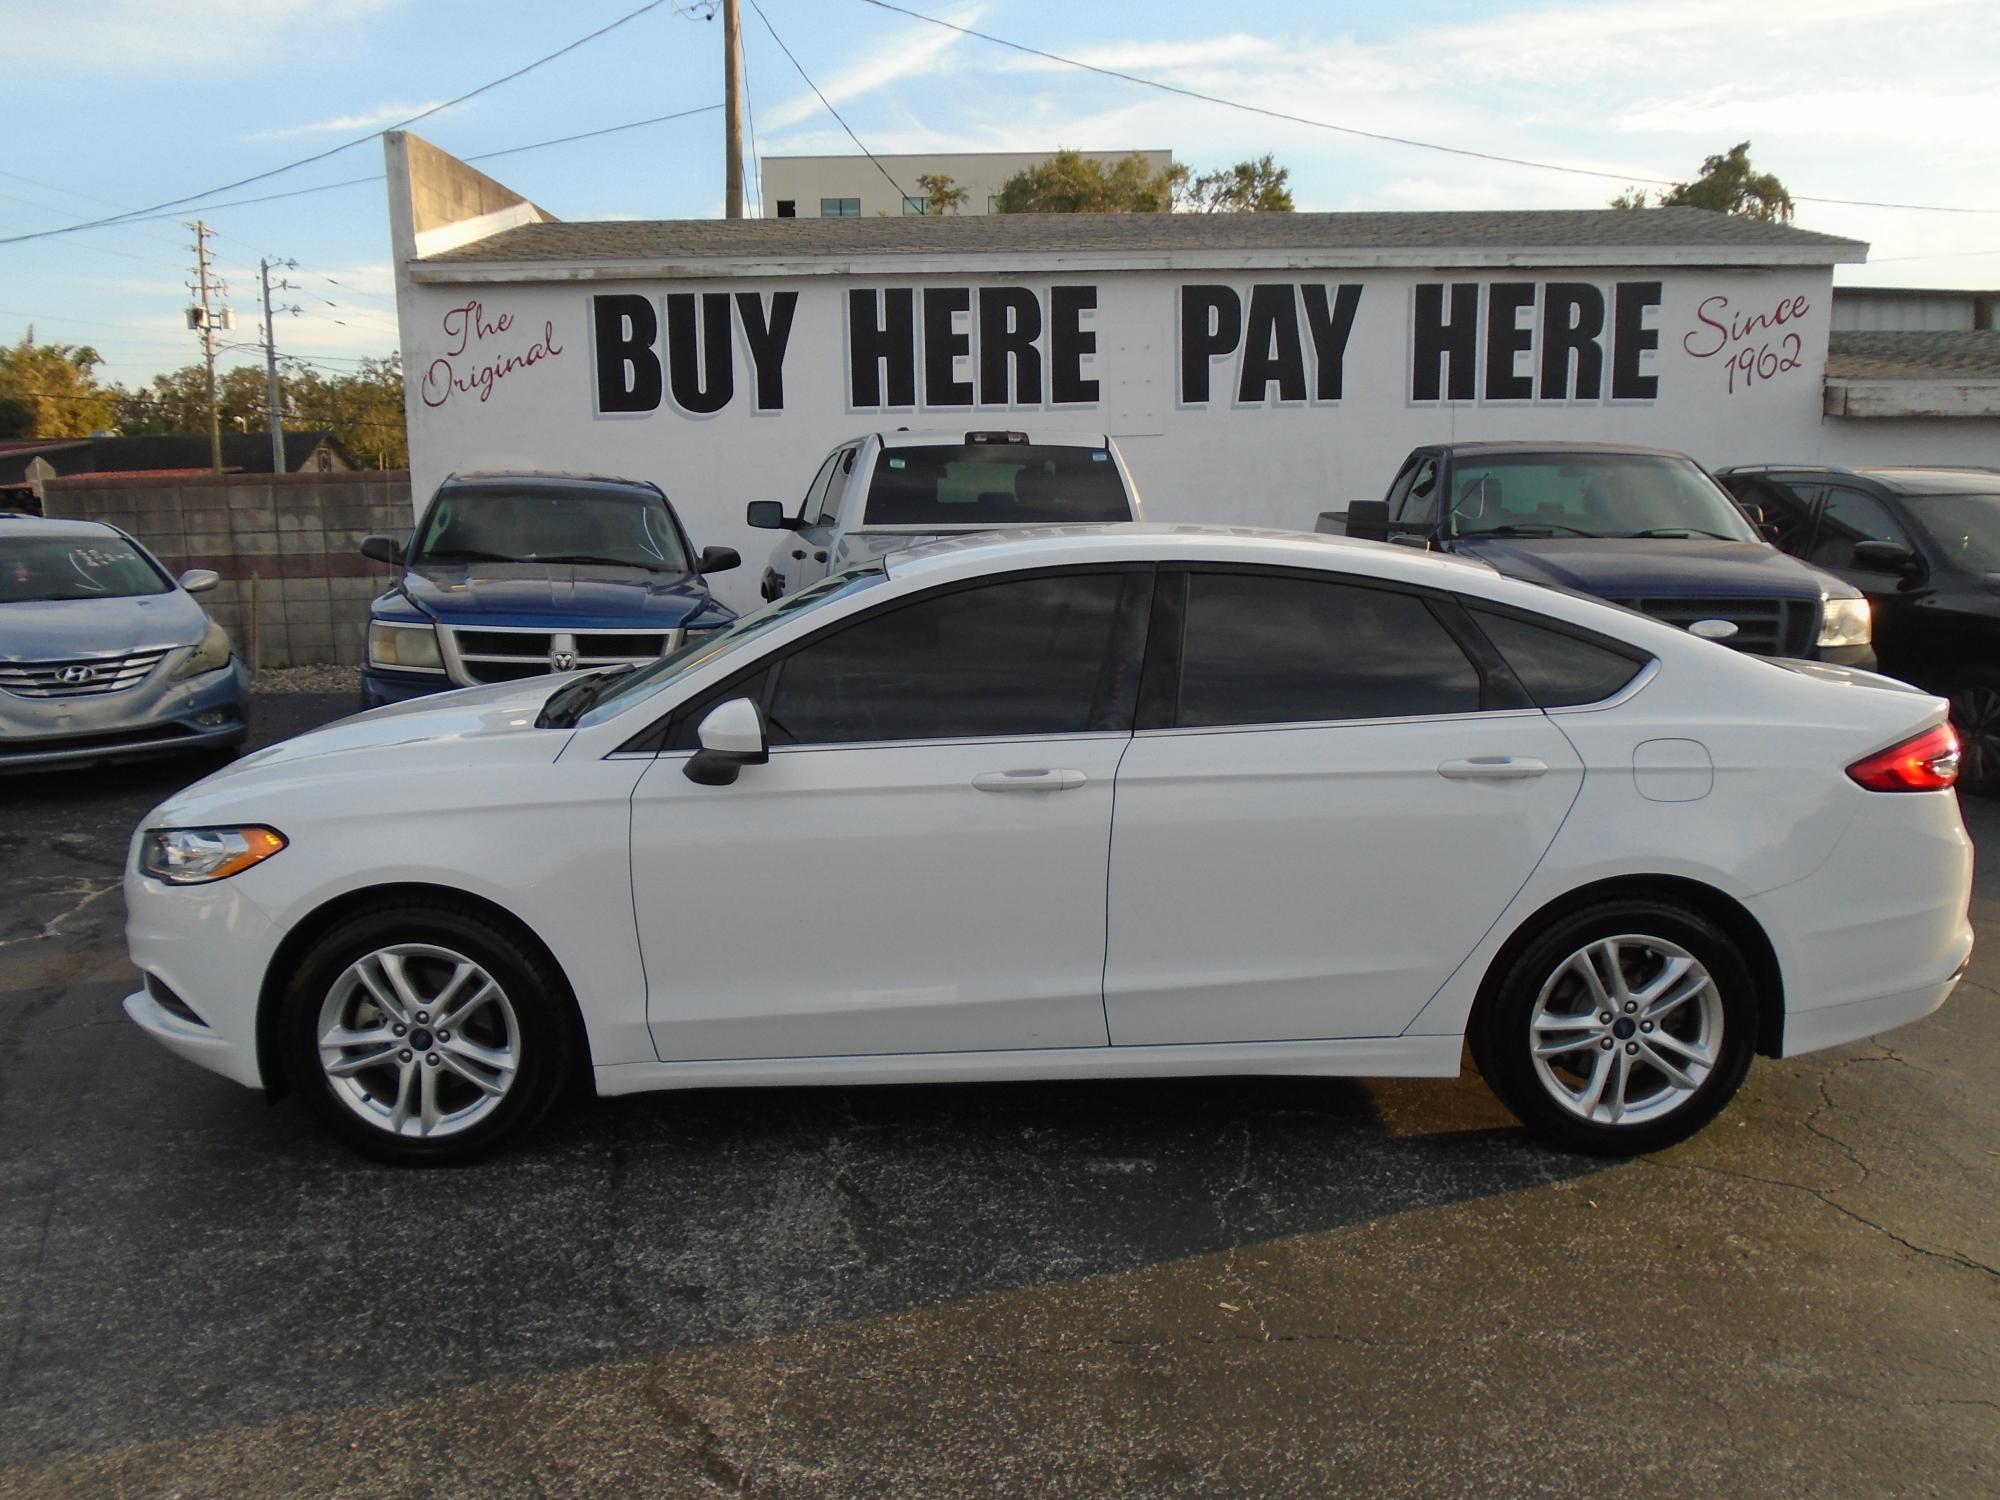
point(1493, 768)
point(1028, 781)
point(799, 554)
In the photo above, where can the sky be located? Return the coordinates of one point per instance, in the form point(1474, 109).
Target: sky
point(119, 104)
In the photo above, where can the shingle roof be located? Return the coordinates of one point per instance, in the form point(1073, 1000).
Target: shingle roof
point(789, 239)
point(1961, 355)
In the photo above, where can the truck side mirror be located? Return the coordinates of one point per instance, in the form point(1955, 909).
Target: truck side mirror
point(732, 737)
point(768, 515)
point(382, 549)
point(1369, 520)
point(718, 560)
point(1888, 557)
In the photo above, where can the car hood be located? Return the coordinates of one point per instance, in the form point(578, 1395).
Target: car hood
point(1627, 568)
point(58, 629)
point(554, 595)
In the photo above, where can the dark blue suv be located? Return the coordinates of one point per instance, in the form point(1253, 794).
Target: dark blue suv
point(523, 574)
point(1642, 527)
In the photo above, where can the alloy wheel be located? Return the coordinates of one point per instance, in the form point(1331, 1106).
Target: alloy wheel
point(418, 1041)
point(1626, 1029)
point(1975, 710)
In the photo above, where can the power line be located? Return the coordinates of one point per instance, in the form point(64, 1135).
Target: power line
point(822, 98)
point(361, 140)
point(348, 182)
point(1354, 130)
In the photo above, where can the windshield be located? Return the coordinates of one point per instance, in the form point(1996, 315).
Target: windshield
point(552, 525)
point(995, 484)
point(732, 637)
point(1966, 528)
point(1590, 494)
point(75, 567)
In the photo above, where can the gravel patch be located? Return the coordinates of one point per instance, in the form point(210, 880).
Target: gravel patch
point(309, 679)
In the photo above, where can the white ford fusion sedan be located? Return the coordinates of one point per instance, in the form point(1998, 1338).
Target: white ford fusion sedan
point(1145, 800)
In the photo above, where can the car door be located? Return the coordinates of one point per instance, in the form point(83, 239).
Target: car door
point(921, 865)
point(813, 541)
point(781, 567)
point(1847, 517)
point(1323, 811)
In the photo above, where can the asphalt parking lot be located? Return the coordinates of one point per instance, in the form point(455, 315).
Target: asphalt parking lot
point(1224, 1287)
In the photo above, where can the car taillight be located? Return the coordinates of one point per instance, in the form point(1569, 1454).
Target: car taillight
point(1927, 763)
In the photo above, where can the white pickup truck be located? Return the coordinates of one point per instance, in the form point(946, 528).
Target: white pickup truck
point(890, 490)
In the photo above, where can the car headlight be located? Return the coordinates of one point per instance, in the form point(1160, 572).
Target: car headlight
point(1845, 622)
point(196, 856)
point(403, 648)
point(211, 654)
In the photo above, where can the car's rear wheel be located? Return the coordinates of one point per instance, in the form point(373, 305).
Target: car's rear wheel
point(425, 1034)
point(1975, 714)
point(1624, 1028)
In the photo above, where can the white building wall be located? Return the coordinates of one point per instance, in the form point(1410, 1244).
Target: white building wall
point(506, 375)
point(805, 180)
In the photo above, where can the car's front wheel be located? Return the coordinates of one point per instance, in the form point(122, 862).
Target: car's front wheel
point(425, 1034)
point(1623, 1028)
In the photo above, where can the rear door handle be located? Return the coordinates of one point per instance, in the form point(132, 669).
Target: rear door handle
point(1493, 768)
point(1028, 781)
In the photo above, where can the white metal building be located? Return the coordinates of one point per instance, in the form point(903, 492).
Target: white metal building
point(854, 187)
point(1254, 368)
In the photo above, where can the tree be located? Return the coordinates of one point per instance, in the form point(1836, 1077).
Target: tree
point(363, 409)
point(1727, 185)
point(1249, 187)
point(944, 193)
point(1072, 183)
point(56, 386)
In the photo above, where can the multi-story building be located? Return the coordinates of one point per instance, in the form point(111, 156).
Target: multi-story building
point(855, 187)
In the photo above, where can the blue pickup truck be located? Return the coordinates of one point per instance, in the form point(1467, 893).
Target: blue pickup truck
point(1642, 527)
point(523, 574)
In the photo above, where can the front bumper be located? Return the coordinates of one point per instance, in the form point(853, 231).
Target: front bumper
point(210, 945)
point(158, 717)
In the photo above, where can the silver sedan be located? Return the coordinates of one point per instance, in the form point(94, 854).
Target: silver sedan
point(104, 655)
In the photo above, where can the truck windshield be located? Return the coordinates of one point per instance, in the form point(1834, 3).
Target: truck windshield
point(731, 638)
point(535, 524)
point(1966, 528)
point(1590, 494)
point(994, 484)
point(36, 568)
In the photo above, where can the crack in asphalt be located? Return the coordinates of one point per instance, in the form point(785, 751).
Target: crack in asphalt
point(85, 893)
point(1950, 1257)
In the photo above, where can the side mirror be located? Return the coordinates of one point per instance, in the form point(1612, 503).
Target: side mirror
point(718, 560)
point(1331, 523)
point(732, 737)
point(199, 580)
point(1888, 557)
point(1369, 520)
point(382, 549)
point(768, 515)
point(1752, 512)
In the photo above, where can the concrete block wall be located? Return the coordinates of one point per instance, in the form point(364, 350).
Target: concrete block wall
point(287, 547)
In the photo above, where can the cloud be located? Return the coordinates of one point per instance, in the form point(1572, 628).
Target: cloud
point(916, 53)
point(374, 119)
point(107, 36)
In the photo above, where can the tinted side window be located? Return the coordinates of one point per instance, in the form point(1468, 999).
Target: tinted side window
point(1787, 507)
point(836, 487)
point(1848, 517)
point(809, 507)
point(1418, 506)
point(1269, 649)
point(1558, 669)
point(1025, 656)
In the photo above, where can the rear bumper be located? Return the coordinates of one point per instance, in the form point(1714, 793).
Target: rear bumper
point(1814, 1030)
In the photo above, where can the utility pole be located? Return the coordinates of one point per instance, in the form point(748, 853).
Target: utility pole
point(272, 404)
point(732, 108)
point(205, 318)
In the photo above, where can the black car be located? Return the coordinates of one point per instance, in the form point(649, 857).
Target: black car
point(1643, 527)
point(1924, 546)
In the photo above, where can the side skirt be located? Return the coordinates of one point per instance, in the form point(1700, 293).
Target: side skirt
point(1359, 1057)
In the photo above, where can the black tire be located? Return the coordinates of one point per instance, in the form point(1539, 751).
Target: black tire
point(1975, 714)
point(1504, 1031)
point(538, 1027)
